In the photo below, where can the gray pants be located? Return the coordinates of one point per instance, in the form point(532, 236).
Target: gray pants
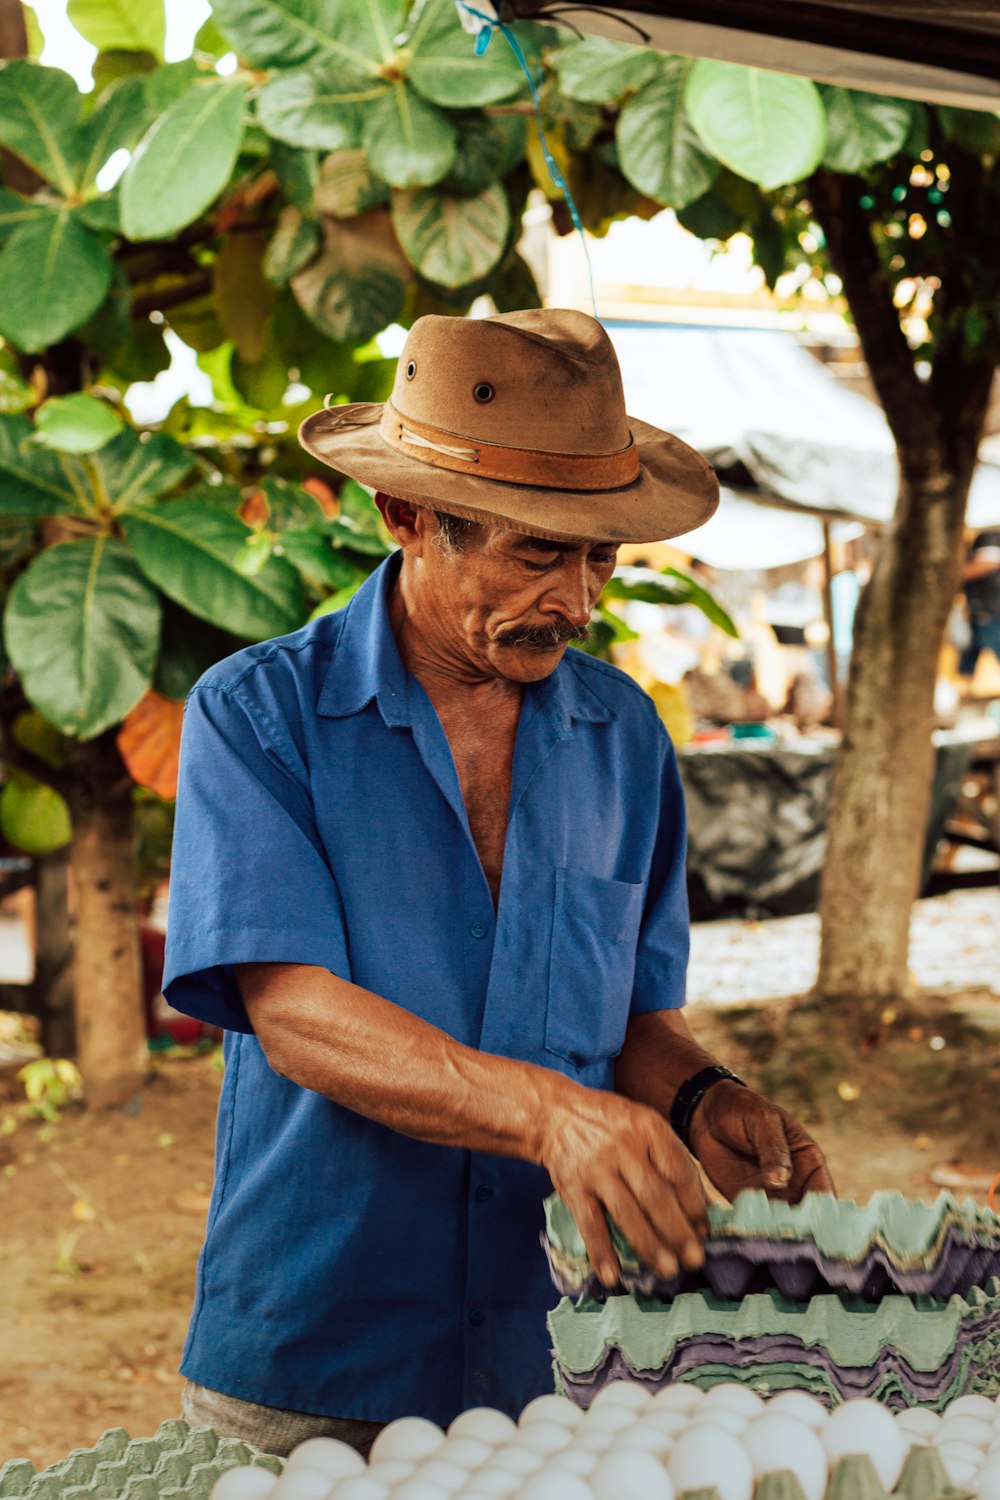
point(268, 1427)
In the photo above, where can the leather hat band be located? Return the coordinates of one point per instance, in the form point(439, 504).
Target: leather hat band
point(530, 466)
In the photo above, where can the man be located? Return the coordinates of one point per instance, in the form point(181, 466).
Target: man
point(429, 871)
point(981, 582)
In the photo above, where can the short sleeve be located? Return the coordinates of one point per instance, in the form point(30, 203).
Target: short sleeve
point(665, 933)
point(249, 878)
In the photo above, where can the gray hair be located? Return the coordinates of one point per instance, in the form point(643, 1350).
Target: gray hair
point(458, 534)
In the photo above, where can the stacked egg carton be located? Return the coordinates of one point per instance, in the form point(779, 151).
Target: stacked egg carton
point(179, 1461)
point(894, 1300)
point(678, 1444)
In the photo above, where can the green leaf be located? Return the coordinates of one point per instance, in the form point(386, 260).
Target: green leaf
point(296, 171)
point(192, 550)
point(357, 284)
point(33, 482)
point(711, 217)
point(184, 162)
point(33, 817)
point(109, 67)
point(659, 149)
point(120, 25)
point(102, 214)
point(188, 647)
point(76, 424)
point(168, 83)
point(668, 587)
point(862, 129)
point(976, 131)
point(599, 71)
point(309, 108)
point(354, 35)
point(489, 146)
point(34, 733)
point(54, 275)
point(82, 628)
point(449, 239)
point(320, 564)
point(445, 69)
point(15, 210)
point(16, 395)
point(39, 114)
point(346, 187)
point(289, 506)
point(513, 286)
point(768, 127)
point(137, 468)
point(118, 121)
point(292, 246)
point(409, 143)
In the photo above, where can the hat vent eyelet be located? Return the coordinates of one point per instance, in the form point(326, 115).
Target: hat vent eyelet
point(483, 391)
point(411, 369)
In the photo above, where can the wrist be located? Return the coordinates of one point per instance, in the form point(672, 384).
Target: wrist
point(690, 1095)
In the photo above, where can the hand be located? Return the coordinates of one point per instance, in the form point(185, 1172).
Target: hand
point(606, 1153)
point(744, 1141)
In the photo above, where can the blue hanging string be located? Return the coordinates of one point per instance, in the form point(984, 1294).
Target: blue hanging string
point(489, 25)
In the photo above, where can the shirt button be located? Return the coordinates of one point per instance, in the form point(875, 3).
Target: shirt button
point(477, 1317)
point(484, 1193)
point(478, 929)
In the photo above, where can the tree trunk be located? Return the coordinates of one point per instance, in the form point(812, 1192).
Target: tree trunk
point(881, 793)
point(109, 1016)
point(53, 983)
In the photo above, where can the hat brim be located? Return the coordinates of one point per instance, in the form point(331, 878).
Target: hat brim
point(676, 490)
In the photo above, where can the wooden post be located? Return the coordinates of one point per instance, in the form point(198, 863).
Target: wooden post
point(837, 703)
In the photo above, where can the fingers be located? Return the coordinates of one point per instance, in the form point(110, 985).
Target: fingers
point(675, 1165)
point(593, 1227)
point(766, 1134)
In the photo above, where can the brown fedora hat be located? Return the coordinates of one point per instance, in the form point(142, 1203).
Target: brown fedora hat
point(521, 418)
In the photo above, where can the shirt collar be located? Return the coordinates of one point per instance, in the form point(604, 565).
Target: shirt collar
point(366, 664)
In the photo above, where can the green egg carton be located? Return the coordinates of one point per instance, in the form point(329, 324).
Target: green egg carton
point(180, 1461)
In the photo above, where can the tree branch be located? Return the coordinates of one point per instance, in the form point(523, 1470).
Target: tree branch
point(172, 296)
point(906, 399)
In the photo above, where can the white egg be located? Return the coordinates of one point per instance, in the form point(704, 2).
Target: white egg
point(971, 1406)
point(631, 1476)
point(988, 1483)
point(557, 1487)
point(994, 1445)
point(551, 1409)
point(359, 1487)
point(641, 1439)
point(919, 1420)
point(961, 1471)
point(670, 1423)
point(448, 1477)
point(863, 1426)
point(498, 1482)
point(623, 1393)
point(516, 1460)
point(963, 1430)
point(418, 1489)
point(390, 1471)
point(730, 1396)
point(801, 1407)
point(411, 1438)
point(710, 1456)
point(484, 1424)
point(731, 1421)
point(302, 1484)
point(609, 1419)
point(572, 1461)
point(545, 1438)
point(966, 1453)
point(775, 1442)
point(326, 1456)
point(594, 1442)
point(247, 1482)
point(468, 1453)
point(682, 1397)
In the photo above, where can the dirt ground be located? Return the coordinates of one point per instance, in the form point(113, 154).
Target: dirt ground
point(102, 1215)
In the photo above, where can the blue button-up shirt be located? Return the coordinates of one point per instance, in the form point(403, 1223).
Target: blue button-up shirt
point(349, 1270)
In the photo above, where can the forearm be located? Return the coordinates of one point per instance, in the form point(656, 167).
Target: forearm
point(376, 1058)
point(658, 1056)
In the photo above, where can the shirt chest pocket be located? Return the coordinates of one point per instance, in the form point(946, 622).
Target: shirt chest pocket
point(595, 929)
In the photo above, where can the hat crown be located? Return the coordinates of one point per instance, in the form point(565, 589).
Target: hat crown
point(545, 379)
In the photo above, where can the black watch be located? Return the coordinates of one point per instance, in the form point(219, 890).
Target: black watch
point(690, 1094)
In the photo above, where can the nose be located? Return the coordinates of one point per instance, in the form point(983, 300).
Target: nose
point(571, 595)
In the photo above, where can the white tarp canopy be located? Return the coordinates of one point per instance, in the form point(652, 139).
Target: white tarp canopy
point(771, 418)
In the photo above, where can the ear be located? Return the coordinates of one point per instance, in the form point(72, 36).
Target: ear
point(407, 524)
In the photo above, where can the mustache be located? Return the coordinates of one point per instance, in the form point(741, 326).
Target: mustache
point(543, 637)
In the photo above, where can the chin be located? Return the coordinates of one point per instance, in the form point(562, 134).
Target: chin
point(527, 663)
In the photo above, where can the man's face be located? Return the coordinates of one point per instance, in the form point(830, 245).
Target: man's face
point(509, 606)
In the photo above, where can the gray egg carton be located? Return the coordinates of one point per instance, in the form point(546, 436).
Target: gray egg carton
point(179, 1463)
